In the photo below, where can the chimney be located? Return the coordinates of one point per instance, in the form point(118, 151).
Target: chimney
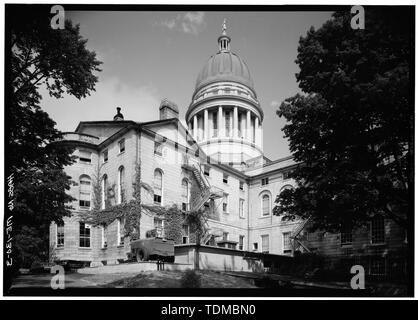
point(118, 116)
point(168, 110)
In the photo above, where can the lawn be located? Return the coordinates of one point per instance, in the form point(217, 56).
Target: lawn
point(172, 279)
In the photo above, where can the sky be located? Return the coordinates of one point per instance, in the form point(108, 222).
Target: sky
point(148, 56)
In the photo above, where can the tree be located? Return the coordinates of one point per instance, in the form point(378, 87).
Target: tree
point(352, 130)
point(59, 60)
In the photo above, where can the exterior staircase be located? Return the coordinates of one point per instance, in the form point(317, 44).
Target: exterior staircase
point(295, 235)
point(207, 192)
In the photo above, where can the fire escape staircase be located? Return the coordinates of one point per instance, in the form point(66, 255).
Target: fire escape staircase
point(207, 192)
point(295, 236)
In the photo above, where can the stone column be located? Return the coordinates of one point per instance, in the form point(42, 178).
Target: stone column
point(248, 126)
point(206, 124)
point(220, 122)
point(195, 127)
point(235, 126)
point(257, 132)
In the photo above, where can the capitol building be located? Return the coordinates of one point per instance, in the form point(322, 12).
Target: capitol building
point(220, 152)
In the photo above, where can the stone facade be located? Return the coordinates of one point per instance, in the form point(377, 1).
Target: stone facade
point(227, 155)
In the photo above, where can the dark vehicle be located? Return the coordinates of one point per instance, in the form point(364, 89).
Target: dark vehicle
point(153, 249)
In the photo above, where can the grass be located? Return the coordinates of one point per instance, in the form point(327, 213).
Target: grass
point(175, 279)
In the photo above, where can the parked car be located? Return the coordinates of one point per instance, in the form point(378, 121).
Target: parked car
point(153, 249)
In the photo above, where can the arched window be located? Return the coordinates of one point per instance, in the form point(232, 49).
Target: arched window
point(105, 187)
point(84, 200)
point(265, 204)
point(121, 185)
point(286, 187)
point(185, 194)
point(158, 186)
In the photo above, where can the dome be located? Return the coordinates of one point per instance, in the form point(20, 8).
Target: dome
point(224, 66)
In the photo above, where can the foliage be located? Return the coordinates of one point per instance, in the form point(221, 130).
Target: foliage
point(352, 129)
point(191, 279)
point(58, 60)
point(174, 220)
point(197, 221)
point(130, 212)
point(30, 245)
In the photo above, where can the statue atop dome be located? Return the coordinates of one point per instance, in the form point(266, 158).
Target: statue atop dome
point(224, 27)
point(223, 39)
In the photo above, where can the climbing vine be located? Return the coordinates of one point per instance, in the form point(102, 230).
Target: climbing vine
point(129, 212)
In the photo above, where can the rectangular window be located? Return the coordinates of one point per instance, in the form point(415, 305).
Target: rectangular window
point(158, 148)
point(287, 245)
point(264, 181)
point(377, 266)
point(346, 234)
point(265, 243)
point(122, 146)
point(85, 156)
point(84, 237)
point(241, 243)
point(159, 227)
point(225, 178)
point(253, 129)
point(227, 123)
point(225, 236)
point(378, 229)
point(157, 199)
point(185, 231)
point(84, 200)
point(215, 124)
point(225, 203)
point(105, 156)
point(206, 170)
point(239, 126)
point(241, 208)
point(121, 235)
point(241, 186)
point(104, 237)
point(60, 235)
point(255, 246)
